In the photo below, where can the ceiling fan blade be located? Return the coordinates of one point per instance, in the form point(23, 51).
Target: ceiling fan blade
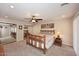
point(39, 19)
point(63, 4)
point(36, 21)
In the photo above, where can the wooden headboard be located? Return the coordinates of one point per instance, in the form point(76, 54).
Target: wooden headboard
point(47, 28)
point(47, 31)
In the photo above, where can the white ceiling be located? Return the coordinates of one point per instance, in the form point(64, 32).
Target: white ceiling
point(47, 11)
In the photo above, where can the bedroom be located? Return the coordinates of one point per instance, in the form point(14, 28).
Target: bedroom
point(23, 15)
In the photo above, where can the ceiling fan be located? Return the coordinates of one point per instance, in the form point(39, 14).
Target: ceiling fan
point(34, 19)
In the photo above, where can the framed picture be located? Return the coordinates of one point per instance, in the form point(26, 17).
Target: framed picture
point(20, 27)
point(43, 26)
point(51, 25)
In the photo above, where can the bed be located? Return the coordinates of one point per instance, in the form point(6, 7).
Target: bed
point(40, 41)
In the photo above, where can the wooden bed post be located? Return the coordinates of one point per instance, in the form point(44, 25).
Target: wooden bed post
point(35, 41)
point(27, 39)
point(40, 45)
point(44, 44)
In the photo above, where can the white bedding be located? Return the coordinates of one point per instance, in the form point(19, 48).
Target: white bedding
point(49, 41)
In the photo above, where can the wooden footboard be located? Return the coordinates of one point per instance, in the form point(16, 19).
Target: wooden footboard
point(33, 39)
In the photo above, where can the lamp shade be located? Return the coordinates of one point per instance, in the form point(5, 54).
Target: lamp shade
point(58, 33)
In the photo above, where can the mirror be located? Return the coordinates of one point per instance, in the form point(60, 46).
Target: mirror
point(7, 32)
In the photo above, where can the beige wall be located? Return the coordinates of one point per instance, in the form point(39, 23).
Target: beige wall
point(64, 26)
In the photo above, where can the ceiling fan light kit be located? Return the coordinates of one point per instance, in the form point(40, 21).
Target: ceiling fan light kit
point(33, 21)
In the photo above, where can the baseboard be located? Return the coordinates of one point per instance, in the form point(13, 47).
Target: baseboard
point(68, 45)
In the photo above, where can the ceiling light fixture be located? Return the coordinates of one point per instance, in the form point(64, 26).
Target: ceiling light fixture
point(33, 21)
point(11, 6)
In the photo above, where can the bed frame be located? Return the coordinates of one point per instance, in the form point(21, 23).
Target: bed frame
point(2, 52)
point(34, 39)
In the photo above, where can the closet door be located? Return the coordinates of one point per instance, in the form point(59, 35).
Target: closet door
point(76, 35)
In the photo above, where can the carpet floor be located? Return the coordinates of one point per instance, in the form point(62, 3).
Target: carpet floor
point(21, 49)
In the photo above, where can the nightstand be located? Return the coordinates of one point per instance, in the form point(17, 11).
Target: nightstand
point(58, 42)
